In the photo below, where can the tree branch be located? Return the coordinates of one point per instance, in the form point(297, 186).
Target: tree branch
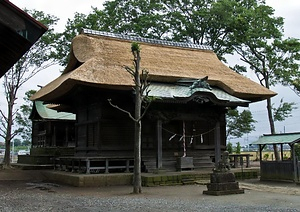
point(129, 70)
point(148, 105)
point(3, 115)
point(124, 111)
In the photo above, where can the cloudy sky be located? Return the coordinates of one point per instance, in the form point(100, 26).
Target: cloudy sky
point(64, 9)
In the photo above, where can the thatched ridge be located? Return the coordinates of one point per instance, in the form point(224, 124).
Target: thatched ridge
point(98, 60)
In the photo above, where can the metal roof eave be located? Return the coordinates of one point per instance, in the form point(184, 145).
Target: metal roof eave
point(183, 94)
point(50, 114)
point(284, 138)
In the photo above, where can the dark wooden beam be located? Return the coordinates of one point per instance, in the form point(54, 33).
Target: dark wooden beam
point(295, 168)
point(159, 145)
point(217, 143)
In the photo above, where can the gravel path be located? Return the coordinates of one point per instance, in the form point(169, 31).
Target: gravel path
point(28, 196)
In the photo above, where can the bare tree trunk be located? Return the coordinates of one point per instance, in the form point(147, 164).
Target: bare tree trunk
point(272, 127)
point(10, 89)
point(137, 183)
point(11, 97)
point(139, 88)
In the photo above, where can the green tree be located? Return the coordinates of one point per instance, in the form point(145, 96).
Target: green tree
point(238, 148)
point(73, 28)
point(238, 123)
point(204, 22)
point(40, 56)
point(283, 111)
point(24, 124)
point(135, 17)
point(207, 22)
point(259, 43)
point(17, 142)
point(229, 148)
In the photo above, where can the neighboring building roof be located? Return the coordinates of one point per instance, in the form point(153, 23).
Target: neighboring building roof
point(41, 110)
point(98, 59)
point(284, 138)
point(18, 32)
point(184, 93)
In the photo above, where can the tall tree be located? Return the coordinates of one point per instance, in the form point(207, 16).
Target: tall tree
point(238, 123)
point(260, 44)
point(24, 124)
point(40, 56)
point(141, 96)
point(205, 22)
point(135, 17)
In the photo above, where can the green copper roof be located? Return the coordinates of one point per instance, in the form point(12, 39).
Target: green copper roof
point(284, 138)
point(177, 91)
point(47, 113)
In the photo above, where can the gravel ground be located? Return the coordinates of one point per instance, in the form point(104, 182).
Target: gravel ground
point(27, 196)
point(27, 191)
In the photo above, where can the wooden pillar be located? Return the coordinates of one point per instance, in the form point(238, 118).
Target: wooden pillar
point(248, 160)
point(261, 147)
point(281, 151)
point(67, 136)
point(88, 165)
point(217, 143)
point(106, 166)
point(294, 162)
point(54, 136)
point(159, 145)
point(127, 165)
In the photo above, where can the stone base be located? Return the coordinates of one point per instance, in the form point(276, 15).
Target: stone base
point(219, 193)
point(223, 186)
point(184, 163)
point(223, 183)
point(222, 177)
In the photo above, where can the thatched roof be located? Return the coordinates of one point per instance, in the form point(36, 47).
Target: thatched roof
point(97, 59)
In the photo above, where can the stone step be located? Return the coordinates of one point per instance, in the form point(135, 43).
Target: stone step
point(188, 181)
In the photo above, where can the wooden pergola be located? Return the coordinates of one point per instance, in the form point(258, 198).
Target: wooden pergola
point(281, 169)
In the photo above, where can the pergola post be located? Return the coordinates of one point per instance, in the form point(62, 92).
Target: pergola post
point(261, 147)
point(294, 161)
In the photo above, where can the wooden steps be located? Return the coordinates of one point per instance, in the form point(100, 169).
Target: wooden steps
point(201, 161)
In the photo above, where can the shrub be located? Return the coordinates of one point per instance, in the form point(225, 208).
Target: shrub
point(238, 148)
point(229, 148)
point(266, 156)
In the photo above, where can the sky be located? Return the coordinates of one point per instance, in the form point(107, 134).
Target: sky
point(288, 9)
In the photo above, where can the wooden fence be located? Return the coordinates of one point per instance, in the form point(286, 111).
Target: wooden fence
point(277, 170)
point(298, 167)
